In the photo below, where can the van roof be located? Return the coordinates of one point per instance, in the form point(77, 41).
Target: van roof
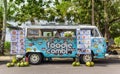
point(60, 26)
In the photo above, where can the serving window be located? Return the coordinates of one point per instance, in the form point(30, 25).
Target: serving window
point(33, 32)
point(47, 34)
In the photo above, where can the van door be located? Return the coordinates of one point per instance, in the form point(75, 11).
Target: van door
point(98, 44)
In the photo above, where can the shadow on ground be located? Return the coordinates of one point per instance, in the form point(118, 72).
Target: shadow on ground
point(68, 61)
point(105, 62)
point(59, 61)
point(100, 62)
point(5, 59)
point(3, 62)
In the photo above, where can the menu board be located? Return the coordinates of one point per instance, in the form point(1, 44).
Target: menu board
point(17, 42)
point(83, 41)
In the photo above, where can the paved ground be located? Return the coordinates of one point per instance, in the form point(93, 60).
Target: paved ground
point(103, 66)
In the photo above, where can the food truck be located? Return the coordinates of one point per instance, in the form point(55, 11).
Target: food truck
point(42, 41)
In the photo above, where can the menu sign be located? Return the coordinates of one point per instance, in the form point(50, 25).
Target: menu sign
point(83, 41)
point(17, 42)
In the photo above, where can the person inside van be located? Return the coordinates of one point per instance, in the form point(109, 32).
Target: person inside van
point(58, 33)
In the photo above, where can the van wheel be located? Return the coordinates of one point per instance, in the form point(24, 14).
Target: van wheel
point(35, 58)
point(86, 57)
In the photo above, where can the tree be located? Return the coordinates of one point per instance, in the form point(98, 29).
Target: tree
point(115, 30)
point(1, 19)
point(93, 22)
point(32, 9)
point(111, 14)
point(62, 10)
point(4, 26)
point(106, 20)
point(74, 11)
point(106, 14)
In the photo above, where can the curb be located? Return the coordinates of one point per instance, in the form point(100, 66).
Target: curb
point(5, 58)
point(113, 57)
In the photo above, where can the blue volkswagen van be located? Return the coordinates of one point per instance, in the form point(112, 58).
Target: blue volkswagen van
point(83, 41)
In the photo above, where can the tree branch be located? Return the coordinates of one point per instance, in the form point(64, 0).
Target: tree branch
point(114, 20)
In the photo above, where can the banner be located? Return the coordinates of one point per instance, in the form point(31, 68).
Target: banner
point(83, 41)
point(17, 42)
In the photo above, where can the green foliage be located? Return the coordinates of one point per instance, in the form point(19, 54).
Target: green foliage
point(117, 41)
point(7, 45)
point(63, 10)
point(115, 30)
point(1, 17)
point(29, 11)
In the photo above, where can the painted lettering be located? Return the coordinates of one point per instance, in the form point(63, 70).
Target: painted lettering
point(59, 48)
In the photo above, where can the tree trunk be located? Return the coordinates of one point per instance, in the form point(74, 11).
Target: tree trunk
point(106, 35)
point(93, 21)
point(4, 27)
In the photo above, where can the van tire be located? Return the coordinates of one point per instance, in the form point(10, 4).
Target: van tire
point(35, 58)
point(85, 58)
